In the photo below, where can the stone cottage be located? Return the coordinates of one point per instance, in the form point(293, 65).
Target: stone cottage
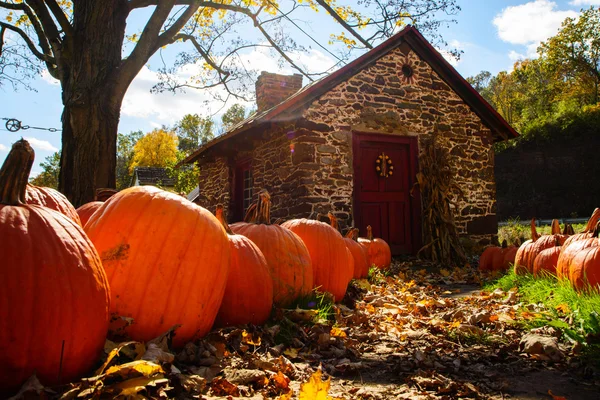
point(350, 143)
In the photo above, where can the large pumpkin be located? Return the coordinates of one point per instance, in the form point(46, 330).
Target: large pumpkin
point(332, 269)
point(588, 232)
point(53, 199)
point(569, 252)
point(86, 211)
point(358, 252)
point(584, 271)
point(286, 254)
point(54, 296)
point(166, 260)
point(530, 249)
point(378, 250)
point(546, 260)
point(248, 295)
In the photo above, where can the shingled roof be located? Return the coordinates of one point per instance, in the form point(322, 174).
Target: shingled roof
point(152, 176)
point(490, 117)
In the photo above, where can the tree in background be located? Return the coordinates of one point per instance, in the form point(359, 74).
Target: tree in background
point(49, 175)
point(192, 131)
point(234, 115)
point(81, 43)
point(155, 149)
point(125, 152)
point(574, 54)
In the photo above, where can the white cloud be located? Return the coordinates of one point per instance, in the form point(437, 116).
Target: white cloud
point(514, 56)
point(530, 23)
point(42, 145)
point(585, 3)
point(3, 147)
point(166, 108)
point(49, 78)
point(449, 57)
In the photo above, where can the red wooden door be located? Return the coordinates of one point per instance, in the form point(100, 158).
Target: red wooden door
point(383, 202)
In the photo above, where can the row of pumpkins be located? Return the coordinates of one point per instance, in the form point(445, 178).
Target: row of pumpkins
point(150, 256)
point(567, 255)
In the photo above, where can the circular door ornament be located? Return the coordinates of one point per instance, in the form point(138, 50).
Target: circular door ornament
point(384, 165)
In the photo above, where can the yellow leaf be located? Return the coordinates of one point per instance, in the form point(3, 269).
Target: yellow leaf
point(444, 272)
point(315, 388)
point(140, 367)
point(247, 338)
point(564, 308)
point(337, 332)
point(115, 352)
point(131, 387)
point(291, 352)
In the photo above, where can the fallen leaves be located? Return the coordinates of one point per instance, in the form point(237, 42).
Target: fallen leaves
point(402, 336)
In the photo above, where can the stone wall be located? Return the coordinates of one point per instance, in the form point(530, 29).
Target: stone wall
point(307, 164)
point(380, 99)
point(215, 184)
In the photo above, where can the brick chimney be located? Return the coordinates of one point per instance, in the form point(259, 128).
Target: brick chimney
point(272, 89)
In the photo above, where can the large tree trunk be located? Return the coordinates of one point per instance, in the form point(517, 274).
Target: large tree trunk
point(91, 102)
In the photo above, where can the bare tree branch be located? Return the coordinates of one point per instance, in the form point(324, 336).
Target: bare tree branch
point(339, 19)
point(167, 36)
point(145, 47)
point(60, 16)
point(203, 53)
point(50, 30)
point(30, 44)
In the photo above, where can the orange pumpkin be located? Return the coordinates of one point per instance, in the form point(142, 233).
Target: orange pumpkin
point(509, 257)
point(330, 262)
point(53, 199)
point(286, 254)
point(86, 211)
point(379, 253)
point(358, 252)
point(569, 252)
point(530, 249)
point(588, 232)
point(54, 296)
point(546, 260)
point(248, 295)
point(166, 259)
point(584, 271)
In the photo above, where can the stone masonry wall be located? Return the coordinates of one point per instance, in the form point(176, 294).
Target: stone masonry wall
point(307, 165)
point(380, 99)
point(215, 184)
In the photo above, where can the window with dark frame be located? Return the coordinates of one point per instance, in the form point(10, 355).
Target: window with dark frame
point(247, 189)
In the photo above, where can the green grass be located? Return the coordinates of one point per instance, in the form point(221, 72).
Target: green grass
point(321, 302)
point(577, 314)
point(514, 232)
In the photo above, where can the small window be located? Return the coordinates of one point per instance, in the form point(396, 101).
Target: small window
point(247, 188)
point(243, 192)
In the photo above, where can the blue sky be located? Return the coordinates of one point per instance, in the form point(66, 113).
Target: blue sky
point(492, 34)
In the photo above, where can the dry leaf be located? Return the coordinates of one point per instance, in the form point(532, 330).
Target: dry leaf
point(139, 351)
point(315, 388)
point(556, 397)
point(140, 367)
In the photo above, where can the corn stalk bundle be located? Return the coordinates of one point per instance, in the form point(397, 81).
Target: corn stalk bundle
point(437, 185)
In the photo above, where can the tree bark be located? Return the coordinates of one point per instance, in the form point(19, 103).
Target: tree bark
point(91, 101)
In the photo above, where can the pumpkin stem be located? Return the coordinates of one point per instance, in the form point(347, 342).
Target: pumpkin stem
point(593, 221)
point(15, 173)
point(504, 244)
point(103, 194)
point(369, 232)
point(219, 213)
point(596, 230)
point(569, 230)
point(555, 227)
point(352, 234)
point(262, 212)
point(250, 216)
point(333, 221)
point(534, 235)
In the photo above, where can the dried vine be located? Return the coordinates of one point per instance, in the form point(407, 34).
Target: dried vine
point(437, 185)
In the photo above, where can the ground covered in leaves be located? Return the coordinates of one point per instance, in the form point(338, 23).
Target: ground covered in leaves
point(408, 334)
